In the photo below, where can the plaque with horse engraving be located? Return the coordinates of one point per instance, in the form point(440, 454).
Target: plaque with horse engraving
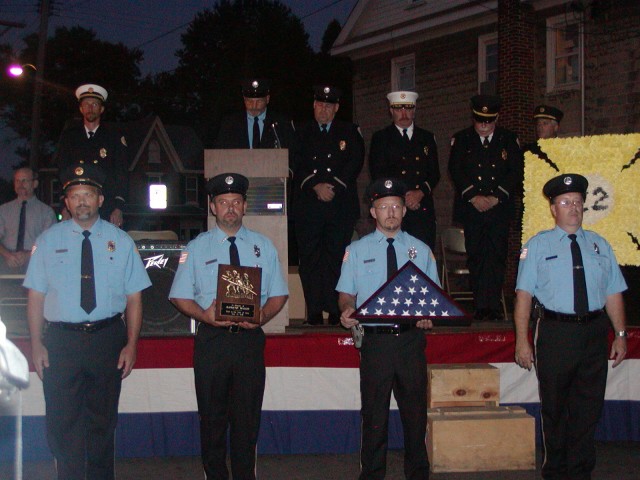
point(238, 297)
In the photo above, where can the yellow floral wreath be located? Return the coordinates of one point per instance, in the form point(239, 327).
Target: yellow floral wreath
point(611, 163)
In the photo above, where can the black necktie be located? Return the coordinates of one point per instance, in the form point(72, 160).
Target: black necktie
point(392, 261)
point(256, 133)
point(485, 142)
point(323, 128)
point(234, 258)
point(87, 281)
point(21, 226)
point(404, 135)
point(580, 299)
point(91, 134)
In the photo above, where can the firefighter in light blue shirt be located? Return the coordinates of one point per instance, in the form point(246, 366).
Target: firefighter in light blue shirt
point(83, 274)
point(392, 357)
point(571, 279)
point(228, 357)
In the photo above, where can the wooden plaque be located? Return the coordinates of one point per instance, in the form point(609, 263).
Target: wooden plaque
point(238, 298)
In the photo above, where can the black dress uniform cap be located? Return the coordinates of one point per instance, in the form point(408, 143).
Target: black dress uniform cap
point(255, 87)
point(228, 183)
point(82, 173)
point(566, 183)
point(546, 111)
point(386, 187)
point(91, 90)
point(485, 107)
point(327, 93)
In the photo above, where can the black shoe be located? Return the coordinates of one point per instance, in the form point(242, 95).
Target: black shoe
point(314, 319)
point(334, 319)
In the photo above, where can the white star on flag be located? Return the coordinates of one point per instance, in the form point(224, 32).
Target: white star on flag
point(398, 290)
point(364, 311)
point(395, 302)
point(412, 290)
point(414, 278)
point(381, 300)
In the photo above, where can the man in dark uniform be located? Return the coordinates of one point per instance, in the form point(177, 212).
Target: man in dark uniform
point(392, 355)
point(486, 167)
point(94, 142)
point(574, 282)
point(547, 120)
point(404, 151)
point(83, 274)
point(257, 126)
point(326, 200)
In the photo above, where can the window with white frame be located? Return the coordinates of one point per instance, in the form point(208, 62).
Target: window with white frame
point(154, 152)
point(564, 43)
point(488, 63)
point(403, 73)
point(191, 189)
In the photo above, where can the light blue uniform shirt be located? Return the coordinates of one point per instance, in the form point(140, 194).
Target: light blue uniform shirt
point(197, 274)
point(54, 269)
point(546, 269)
point(250, 120)
point(364, 267)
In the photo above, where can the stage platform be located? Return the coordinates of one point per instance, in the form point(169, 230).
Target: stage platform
point(312, 399)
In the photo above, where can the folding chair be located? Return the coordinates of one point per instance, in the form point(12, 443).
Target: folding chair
point(454, 264)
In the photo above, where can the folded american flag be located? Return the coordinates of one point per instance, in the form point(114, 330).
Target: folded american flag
point(410, 295)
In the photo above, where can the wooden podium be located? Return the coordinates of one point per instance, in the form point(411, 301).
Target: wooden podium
point(267, 171)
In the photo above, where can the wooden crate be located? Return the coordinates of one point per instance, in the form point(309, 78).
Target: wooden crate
point(463, 385)
point(478, 439)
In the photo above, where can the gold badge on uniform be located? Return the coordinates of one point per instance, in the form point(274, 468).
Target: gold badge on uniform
point(103, 152)
point(343, 145)
point(111, 246)
point(79, 171)
point(504, 154)
point(426, 150)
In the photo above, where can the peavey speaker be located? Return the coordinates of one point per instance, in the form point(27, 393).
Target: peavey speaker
point(13, 305)
point(160, 317)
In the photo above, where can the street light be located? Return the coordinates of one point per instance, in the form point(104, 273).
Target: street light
point(17, 70)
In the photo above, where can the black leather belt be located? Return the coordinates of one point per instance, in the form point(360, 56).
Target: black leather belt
point(87, 327)
point(392, 329)
point(233, 328)
point(571, 318)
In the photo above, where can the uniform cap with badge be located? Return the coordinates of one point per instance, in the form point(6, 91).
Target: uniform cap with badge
point(91, 90)
point(548, 112)
point(386, 187)
point(565, 183)
point(485, 108)
point(402, 99)
point(228, 183)
point(255, 87)
point(82, 173)
point(326, 94)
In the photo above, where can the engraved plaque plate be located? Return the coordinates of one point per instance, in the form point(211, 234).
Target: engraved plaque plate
point(238, 298)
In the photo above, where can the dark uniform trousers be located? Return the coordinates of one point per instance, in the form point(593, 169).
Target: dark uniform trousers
point(81, 389)
point(393, 363)
point(229, 378)
point(495, 170)
point(416, 163)
point(571, 363)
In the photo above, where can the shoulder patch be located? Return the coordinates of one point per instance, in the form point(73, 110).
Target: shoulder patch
point(523, 253)
point(346, 256)
point(183, 257)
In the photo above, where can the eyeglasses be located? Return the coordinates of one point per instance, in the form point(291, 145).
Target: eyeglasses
point(394, 207)
point(566, 203)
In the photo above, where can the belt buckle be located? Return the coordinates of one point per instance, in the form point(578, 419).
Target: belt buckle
point(582, 319)
point(235, 328)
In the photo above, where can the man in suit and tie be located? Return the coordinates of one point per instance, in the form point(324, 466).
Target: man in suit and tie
point(257, 126)
point(404, 151)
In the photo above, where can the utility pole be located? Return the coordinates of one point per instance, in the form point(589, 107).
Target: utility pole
point(34, 152)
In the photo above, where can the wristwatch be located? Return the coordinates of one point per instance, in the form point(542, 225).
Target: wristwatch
point(621, 333)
